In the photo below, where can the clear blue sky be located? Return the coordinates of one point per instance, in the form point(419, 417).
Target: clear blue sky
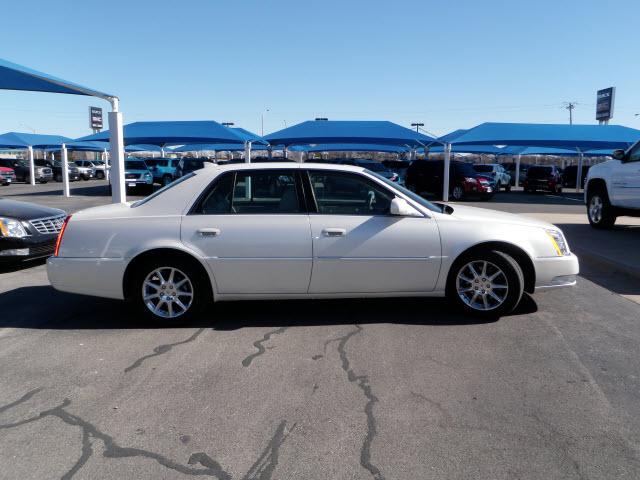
point(449, 64)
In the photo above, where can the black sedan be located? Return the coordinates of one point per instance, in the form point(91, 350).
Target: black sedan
point(28, 231)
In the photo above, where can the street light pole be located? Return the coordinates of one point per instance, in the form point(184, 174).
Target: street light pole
point(417, 125)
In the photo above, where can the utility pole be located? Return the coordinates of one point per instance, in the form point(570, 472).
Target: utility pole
point(228, 124)
point(570, 106)
point(417, 125)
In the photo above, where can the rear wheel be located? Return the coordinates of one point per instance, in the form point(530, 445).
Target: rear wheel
point(168, 290)
point(99, 174)
point(166, 180)
point(507, 187)
point(486, 284)
point(58, 177)
point(599, 210)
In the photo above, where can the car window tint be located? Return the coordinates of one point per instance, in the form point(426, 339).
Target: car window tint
point(339, 193)
point(265, 192)
point(218, 200)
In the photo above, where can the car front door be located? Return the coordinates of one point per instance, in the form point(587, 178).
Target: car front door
point(626, 180)
point(253, 229)
point(358, 247)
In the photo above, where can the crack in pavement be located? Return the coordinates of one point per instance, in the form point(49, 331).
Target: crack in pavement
point(363, 383)
point(259, 345)
point(262, 469)
point(160, 349)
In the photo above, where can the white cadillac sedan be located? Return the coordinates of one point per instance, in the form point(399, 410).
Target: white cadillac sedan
point(283, 230)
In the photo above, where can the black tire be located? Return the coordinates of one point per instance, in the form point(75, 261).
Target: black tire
point(166, 180)
point(511, 273)
point(457, 193)
point(100, 175)
point(58, 177)
point(507, 188)
point(43, 181)
point(200, 288)
point(607, 216)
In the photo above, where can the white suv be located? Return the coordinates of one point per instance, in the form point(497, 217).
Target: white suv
point(613, 188)
point(497, 172)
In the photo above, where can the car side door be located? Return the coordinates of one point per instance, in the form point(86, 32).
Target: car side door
point(626, 180)
point(359, 247)
point(252, 228)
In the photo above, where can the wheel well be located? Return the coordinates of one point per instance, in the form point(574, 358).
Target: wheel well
point(163, 253)
point(597, 183)
point(519, 255)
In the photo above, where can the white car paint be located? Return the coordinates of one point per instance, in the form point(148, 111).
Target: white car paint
point(294, 255)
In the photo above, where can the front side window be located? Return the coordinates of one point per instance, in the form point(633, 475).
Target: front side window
point(634, 154)
point(252, 192)
point(339, 193)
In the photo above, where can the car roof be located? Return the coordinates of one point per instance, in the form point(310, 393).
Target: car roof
point(286, 165)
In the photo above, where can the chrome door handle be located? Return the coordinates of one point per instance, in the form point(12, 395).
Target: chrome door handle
point(334, 232)
point(209, 232)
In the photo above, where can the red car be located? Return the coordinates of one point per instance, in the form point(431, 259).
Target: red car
point(7, 175)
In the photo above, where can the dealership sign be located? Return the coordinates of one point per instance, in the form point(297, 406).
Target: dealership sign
point(95, 118)
point(604, 104)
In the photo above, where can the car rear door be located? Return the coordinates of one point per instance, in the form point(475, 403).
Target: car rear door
point(253, 229)
point(358, 247)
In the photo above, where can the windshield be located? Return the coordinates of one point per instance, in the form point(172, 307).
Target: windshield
point(405, 191)
point(162, 190)
point(539, 172)
point(483, 168)
point(135, 165)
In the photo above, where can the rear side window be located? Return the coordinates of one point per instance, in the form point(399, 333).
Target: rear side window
point(259, 192)
point(338, 193)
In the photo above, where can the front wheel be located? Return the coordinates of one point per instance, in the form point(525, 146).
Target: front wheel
point(507, 187)
point(166, 180)
point(486, 284)
point(599, 210)
point(168, 290)
point(100, 175)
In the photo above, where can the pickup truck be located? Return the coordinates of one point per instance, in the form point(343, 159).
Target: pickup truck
point(613, 188)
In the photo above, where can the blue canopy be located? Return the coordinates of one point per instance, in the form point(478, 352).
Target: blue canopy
point(18, 77)
point(141, 148)
point(449, 137)
point(247, 135)
point(172, 133)
point(559, 152)
point(218, 147)
point(582, 137)
point(338, 131)
point(490, 149)
point(349, 147)
point(25, 140)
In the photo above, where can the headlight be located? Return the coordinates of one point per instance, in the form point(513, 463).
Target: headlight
point(12, 228)
point(147, 175)
point(559, 242)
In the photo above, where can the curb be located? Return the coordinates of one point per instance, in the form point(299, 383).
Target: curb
point(606, 262)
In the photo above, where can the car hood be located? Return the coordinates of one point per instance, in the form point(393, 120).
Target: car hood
point(26, 211)
point(474, 214)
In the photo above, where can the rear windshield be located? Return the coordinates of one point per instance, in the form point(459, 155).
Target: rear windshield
point(483, 168)
point(135, 165)
point(464, 169)
point(163, 189)
point(539, 172)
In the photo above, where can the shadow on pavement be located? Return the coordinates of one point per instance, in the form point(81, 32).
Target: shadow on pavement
point(24, 265)
point(43, 307)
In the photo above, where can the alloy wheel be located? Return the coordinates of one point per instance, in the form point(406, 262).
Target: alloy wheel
point(457, 193)
point(595, 209)
point(482, 285)
point(167, 292)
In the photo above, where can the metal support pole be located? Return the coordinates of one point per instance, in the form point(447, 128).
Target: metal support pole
point(162, 152)
point(284, 151)
point(518, 158)
point(65, 171)
point(118, 192)
point(447, 165)
point(247, 152)
point(32, 167)
point(579, 172)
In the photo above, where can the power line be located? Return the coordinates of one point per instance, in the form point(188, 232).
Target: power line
point(570, 106)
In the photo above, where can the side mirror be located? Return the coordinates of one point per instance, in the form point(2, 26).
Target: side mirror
point(400, 207)
point(618, 155)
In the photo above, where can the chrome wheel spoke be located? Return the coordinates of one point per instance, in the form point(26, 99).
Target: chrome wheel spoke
point(479, 291)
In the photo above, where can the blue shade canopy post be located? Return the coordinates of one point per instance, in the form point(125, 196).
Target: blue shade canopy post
point(580, 138)
point(29, 141)
point(18, 77)
point(249, 139)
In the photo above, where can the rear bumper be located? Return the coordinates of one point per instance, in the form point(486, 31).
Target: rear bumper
point(553, 272)
point(99, 277)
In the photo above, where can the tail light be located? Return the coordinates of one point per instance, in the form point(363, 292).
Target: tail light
point(59, 239)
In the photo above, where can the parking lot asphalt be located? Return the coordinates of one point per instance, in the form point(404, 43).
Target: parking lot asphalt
point(350, 389)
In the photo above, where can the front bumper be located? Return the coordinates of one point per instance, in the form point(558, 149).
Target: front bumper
point(27, 248)
point(99, 277)
point(553, 272)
